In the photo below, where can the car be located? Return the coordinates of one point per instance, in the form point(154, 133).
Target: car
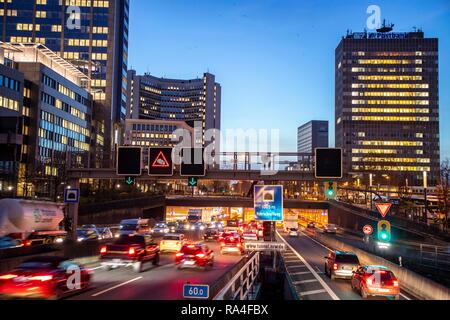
point(88, 235)
point(341, 264)
point(231, 242)
point(44, 278)
point(129, 250)
point(376, 281)
point(172, 242)
point(10, 243)
point(198, 226)
point(106, 233)
point(194, 256)
point(211, 234)
point(311, 225)
point(330, 228)
point(88, 226)
point(134, 226)
point(250, 235)
point(293, 232)
point(173, 227)
point(161, 228)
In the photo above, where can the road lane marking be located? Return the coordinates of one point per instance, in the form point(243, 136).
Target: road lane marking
point(404, 296)
point(96, 268)
point(320, 244)
point(310, 293)
point(304, 281)
point(321, 281)
point(299, 273)
point(116, 286)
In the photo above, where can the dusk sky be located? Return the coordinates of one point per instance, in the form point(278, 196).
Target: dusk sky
point(274, 59)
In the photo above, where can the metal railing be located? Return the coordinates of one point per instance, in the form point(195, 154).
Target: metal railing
point(435, 256)
point(241, 284)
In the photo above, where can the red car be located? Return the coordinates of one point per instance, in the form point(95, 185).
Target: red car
point(231, 242)
point(195, 256)
point(45, 278)
point(376, 281)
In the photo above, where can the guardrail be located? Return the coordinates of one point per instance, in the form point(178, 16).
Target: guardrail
point(241, 283)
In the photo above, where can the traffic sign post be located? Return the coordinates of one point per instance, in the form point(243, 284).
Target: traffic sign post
point(160, 162)
point(72, 196)
point(383, 208)
point(196, 291)
point(268, 203)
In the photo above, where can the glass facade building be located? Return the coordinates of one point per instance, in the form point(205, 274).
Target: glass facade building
point(312, 135)
point(387, 106)
point(92, 35)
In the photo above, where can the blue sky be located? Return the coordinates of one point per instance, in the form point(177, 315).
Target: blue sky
point(274, 59)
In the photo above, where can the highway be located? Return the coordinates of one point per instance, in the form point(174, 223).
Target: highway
point(163, 282)
point(305, 262)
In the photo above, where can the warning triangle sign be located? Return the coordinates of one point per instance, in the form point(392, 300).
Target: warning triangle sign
point(161, 161)
point(383, 208)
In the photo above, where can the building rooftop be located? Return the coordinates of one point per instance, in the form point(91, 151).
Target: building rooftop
point(38, 53)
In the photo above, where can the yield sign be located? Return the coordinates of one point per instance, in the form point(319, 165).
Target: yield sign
point(160, 161)
point(383, 208)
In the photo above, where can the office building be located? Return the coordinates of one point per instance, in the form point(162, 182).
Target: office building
point(46, 117)
point(92, 35)
point(312, 135)
point(168, 100)
point(387, 106)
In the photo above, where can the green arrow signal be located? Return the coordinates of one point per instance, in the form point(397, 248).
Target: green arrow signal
point(192, 182)
point(129, 181)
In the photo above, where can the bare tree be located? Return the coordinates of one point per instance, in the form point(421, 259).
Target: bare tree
point(444, 191)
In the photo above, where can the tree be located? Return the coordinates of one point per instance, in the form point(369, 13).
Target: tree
point(443, 190)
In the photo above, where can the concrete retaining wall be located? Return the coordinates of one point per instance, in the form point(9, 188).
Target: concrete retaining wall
point(410, 281)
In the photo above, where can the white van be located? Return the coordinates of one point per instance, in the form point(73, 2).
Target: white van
point(134, 226)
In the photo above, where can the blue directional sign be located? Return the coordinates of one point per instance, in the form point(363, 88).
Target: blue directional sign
point(269, 203)
point(195, 291)
point(72, 195)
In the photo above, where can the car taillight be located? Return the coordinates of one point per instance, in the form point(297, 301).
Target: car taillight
point(41, 278)
point(179, 254)
point(222, 244)
point(396, 283)
point(335, 266)
point(27, 243)
point(370, 281)
point(103, 250)
point(200, 255)
point(238, 245)
point(131, 251)
point(8, 276)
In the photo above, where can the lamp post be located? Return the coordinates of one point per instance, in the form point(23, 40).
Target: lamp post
point(425, 187)
point(370, 189)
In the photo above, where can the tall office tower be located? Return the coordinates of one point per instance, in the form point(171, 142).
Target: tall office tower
point(387, 106)
point(93, 35)
point(312, 135)
point(192, 101)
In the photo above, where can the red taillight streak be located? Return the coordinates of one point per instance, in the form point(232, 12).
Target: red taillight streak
point(131, 251)
point(41, 278)
point(396, 283)
point(179, 255)
point(200, 255)
point(8, 276)
point(335, 266)
point(103, 250)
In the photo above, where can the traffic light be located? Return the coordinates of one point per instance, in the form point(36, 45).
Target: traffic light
point(384, 231)
point(330, 190)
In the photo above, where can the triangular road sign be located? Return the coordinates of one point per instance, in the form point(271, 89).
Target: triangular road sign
point(160, 161)
point(383, 208)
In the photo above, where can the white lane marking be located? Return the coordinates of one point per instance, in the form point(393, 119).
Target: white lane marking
point(295, 267)
point(323, 283)
point(96, 268)
point(320, 244)
point(299, 273)
point(309, 293)
point(304, 281)
point(116, 286)
point(404, 296)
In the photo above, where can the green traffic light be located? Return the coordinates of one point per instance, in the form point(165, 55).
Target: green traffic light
point(384, 236)
point(330, 193)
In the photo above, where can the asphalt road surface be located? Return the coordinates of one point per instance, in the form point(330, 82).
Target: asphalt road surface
point(305, 262)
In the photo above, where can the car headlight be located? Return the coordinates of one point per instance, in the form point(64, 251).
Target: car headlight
point(117, 235)
point(202, 228)
point(166, 230)
point(59, 240)
point(192, 227)
point(80, 239)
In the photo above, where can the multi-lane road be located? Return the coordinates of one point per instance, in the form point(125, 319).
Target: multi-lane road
point(163, 282)
point(305, 263)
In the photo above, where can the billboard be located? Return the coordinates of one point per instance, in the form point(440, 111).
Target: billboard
point(269, 203)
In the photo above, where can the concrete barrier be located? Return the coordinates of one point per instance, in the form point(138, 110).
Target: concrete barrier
point(412, 282)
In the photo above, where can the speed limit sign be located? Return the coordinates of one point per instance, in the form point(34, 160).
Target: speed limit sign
point(368, 230)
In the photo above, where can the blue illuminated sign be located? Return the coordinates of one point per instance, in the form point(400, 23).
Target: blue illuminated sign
point(195, 291)
point(269, 203)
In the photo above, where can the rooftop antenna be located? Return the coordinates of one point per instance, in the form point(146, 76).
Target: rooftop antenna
point(386, 27)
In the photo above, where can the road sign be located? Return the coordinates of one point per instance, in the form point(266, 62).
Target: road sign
point(265, 246)
point(192, 162)
point(193, 182)
point(383, 208)
point(384, 231)
point(160, 162)
point(330, 190)
point(196, 291)
point(368, 230)
point(268, 203)
point(328, 163)
point(130, 181)
point(72, 195)
point(129, 161)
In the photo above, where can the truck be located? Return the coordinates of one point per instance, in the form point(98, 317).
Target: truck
point(32, 222)
point(290, 221)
